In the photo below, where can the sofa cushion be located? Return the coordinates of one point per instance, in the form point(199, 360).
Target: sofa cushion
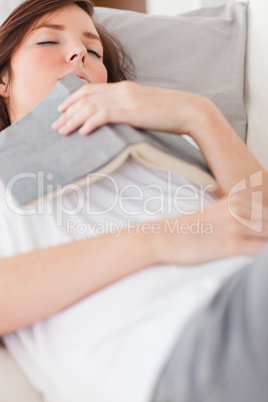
point(13, 385)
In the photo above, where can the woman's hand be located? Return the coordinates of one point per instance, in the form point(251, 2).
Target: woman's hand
point(225, 229)
point(146, 107)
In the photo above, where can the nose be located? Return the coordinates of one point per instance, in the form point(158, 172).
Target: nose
point(77, 54)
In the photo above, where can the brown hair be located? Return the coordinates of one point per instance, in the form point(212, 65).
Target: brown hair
point(12, 32)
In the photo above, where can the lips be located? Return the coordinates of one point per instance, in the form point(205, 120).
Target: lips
point(79, 74)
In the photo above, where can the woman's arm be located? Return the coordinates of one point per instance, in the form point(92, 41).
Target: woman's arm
point(165, 110)
point(37, 284)
point(226, 154)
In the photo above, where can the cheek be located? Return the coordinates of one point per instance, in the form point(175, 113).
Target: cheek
point(29, 88)
point(25, 73)
point(101, 74)
point(27, 64)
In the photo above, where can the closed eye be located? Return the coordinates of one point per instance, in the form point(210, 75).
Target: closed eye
point(95, 53)
point(47, 43)
point(54, 43)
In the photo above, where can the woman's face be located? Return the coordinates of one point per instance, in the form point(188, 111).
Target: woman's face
point(66, 41)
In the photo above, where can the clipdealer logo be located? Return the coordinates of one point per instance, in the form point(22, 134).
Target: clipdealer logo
point(153, 199)
point(255, 221)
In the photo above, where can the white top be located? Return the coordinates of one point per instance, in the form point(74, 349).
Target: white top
point(111, 346)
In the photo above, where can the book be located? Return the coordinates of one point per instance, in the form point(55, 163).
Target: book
point(37, 161)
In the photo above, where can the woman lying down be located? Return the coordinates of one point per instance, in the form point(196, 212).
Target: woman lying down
point(150, 314)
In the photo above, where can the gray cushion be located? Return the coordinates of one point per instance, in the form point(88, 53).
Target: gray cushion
point(201, 52)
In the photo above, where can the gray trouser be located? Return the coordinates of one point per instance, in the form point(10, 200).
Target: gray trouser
point(223, 353)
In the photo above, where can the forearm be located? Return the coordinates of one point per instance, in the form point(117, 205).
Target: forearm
point(36, 285)
point(226, 154)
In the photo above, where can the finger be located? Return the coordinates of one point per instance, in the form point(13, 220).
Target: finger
point(87, 89)
point(77, 107)
point(74, 97)
point(95, 121)
point(252, 246)
point(254, 229)
point(75, 121)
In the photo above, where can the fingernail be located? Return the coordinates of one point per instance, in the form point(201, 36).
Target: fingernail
point(82, 132)
point(60, 108)
point(62, 130)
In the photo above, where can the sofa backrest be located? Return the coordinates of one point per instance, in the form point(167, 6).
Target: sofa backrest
point(256, 92)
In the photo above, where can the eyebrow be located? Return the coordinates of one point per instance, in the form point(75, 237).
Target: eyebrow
point(57, 27)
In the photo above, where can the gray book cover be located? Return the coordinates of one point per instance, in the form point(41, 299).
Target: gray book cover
point(30, 151)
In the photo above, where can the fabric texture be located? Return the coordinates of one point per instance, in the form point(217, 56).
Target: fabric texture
point(110, 337)
point(39, 145)
point(155, 49)
point(223, 354)
point(201, 52)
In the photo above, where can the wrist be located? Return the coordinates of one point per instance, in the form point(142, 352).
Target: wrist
point(150, 238)
point(157, 243)
point(188, 112)
point(206, 115)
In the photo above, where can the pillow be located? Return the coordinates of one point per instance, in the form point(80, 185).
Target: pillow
point(202, 52)
point(6, 7)
point(13, 384)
